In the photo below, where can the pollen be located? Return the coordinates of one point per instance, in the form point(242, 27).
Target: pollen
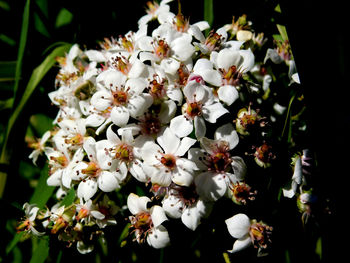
point(169, 161)
point(194, 109)
point(124, 153)
point(161, 49)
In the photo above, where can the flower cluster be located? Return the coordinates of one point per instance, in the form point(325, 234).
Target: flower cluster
point(172, 110)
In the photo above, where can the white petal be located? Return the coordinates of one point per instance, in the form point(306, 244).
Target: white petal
point(158, 215)
point(182, 49)
point(228, 94)
point(170, 65)
point(107, 182)
point(172, 206)
point(184, 146)
point(196, 33)
point(101, 100)
point(89, 147)
point(161, 177)
point(136, 170)
point(83, 248)
point(227, 133)
point(199, 126)
point(202, 25)
point(248, 60)
point(168, 109)
point(137, 204)
point(191, 218)
point(55, 178)
point(139, 104)
point(181, 126)
point(241, 244)
point(212, 77)
point(213, 111)
point(97, 214)
point(227, 58)
point(95, 55)
point(137, 69)
point(94, 120)
point(210, 186)
point(159, 237)
point(239, 168)
point(136, 85)
point(238, 226)
point(150, 153)
point(182, 177)
point(169, 141)
point(87, 189)
point(112, 136)
point(120, 116)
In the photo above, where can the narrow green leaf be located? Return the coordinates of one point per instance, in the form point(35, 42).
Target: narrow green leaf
point(7, 40)
point(59, 257)
point(288, 116)
point(209, 11)
point(124, 233)
point(41, 252)
point(42, 192)
point(40, 26)
point(22, 44)
point(8, 69)
point(64, 17)
point(41, 123)
point(319, 247)
point(5, 6)
point(14, 242)
point(43, 6)
point(283, 32)
point(37, 75)
point(6, 104)
point(278, 8)
point(69, 198)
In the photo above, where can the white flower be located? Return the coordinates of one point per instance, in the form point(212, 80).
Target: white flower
point(29, 224)
point(200, 107)
point(123, 153)
point(183, 202)
point(39, 146)
point(219, 168)
point(87, 211)
point(164, 163)
point(121, 100)
point(248, 232)
point(96, 173)
point(157, 11)
point(147, 222)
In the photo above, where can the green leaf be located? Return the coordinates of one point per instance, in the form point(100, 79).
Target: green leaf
point(7, 69)
point(40, 26)
point(64, 17)
point(69, 198)
point(209, 11)
point(7, 40)
point(6, 104)
point(14, 242)
point(43, 6)
point(22, 44)
point(283, 32)
point(37, 75)
point(41, 123)
point(42, 192)
point(4, 6)
point(319, 247)
point(41, 252)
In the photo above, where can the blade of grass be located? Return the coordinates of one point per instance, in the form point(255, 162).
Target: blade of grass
point(208, 12)
point(41, 252)
point(37, 75)
point(22, 44)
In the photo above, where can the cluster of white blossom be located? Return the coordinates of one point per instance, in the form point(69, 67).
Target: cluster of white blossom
point(141, 110)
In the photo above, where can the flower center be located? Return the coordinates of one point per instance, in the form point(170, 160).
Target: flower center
point(150, 124)
point(194, 109)
point(124, 153)
point(142, 225)
point(75, 140)
point(122, 64)
point(260, 234)
point(120, 97)
point(263, 155)
point(127, 44)
point(220, 160)
point(156, 89)
point(231, 76)
point(161, 49)
point(169, 161)
point(187, 195)
point(213, 41)
point(241, 193)
point(152, 7)
point(183, 74)
point(92, 170)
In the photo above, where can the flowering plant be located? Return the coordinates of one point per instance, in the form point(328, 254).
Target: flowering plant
point(176, 134)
